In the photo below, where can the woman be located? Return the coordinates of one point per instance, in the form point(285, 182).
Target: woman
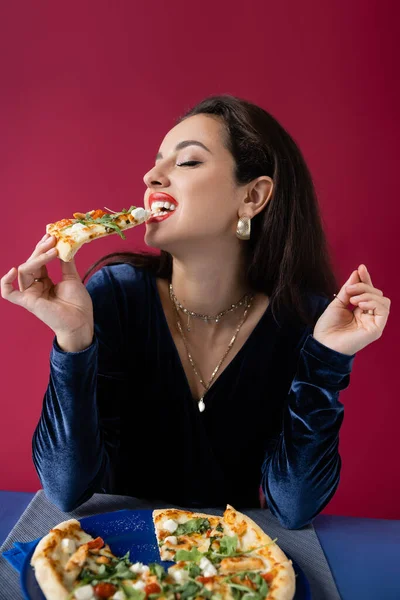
point(213, 370)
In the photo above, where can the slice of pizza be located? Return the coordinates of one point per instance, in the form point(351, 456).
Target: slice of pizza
point(70, 565)
point(63, 554)
point(229, 555)
point(71, 234)
point(183, 530)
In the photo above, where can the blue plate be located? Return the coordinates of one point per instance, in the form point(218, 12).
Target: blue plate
point(131, 530)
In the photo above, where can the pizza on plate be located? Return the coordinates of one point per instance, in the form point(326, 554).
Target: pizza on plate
point(71, 234)
point(225, 557)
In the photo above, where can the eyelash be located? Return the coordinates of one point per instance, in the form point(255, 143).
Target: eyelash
point(190, 162)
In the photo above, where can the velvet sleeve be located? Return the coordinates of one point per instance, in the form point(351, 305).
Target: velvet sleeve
point(301, 470)
point(75, 444)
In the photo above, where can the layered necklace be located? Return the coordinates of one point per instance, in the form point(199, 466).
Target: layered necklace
point(246, 300)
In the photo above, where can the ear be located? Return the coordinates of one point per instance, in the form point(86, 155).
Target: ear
point(258, 196)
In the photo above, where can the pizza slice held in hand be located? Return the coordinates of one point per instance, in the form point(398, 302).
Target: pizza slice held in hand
point(71, 234)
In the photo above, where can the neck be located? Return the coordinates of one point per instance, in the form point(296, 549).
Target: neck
point(208, 286)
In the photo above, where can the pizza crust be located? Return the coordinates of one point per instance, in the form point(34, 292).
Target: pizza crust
point(45, 561)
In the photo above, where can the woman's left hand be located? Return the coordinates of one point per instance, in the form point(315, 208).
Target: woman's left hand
point(349, 331)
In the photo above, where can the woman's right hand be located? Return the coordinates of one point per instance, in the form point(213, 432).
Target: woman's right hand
point(66, 307)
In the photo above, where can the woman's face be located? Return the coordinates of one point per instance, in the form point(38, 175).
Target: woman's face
point(207, 197)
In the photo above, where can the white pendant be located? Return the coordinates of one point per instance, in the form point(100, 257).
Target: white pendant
point(201, 405)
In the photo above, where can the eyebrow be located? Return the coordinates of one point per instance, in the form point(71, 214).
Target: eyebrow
point(184, 144)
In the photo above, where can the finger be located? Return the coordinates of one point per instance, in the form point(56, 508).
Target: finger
point(361, 287)
point(381, 308)
point(343, 297)
point(27, 271)
point(7, 290)
point(366, 297)
point(376, 312)
point(364, 275)
point(69, 270)
point(43, 245)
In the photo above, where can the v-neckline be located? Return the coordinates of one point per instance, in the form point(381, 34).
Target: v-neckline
point(263, 317)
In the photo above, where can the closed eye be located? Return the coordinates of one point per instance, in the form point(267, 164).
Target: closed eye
point(190, 163)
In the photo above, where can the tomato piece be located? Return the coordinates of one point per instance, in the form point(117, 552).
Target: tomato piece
point(267, 576)
point(97, 543)
point(202, 579)
point(104, 590)
point(152, 588)
point(98, 214)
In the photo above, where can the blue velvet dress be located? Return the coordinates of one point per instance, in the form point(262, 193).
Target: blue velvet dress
point(119, 417)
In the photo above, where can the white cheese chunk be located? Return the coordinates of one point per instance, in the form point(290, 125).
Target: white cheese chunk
point(170, 525)
point(180, 575)
point(139, 568)
point(140, 214)
point(139, 585)
point(68, 545)
point(207, 567)
point(84, 593)
point(118, 596)
point(204, 562)
point(210, 571)
point(172, 539)
point(136, 568)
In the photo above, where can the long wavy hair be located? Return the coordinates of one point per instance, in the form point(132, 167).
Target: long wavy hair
point(288, 254)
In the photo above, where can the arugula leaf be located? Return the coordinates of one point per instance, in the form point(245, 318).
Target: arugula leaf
point(193, 555)
point(219, 528)
point(228, 545)
point(189, 589)
point(193, 570)
point(158, 571)
point(197, 525)
point(130, 592)
point(248, 594)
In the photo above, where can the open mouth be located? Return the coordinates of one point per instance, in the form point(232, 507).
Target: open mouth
point(161, 211)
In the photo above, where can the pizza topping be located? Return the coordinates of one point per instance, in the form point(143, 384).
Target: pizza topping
point(152, 588)
point(139, 213)
point(104, 590)
point(139, 585)
point(158, 571)
point(139, 568)
point(241, 563)
point(172, 539)
point(68, 545)
point(196, 525)
point(107, 220)
point(192, 555)
point(248, 585)
point(118, 595)
point(84, 593)
point(207, 567)
point(170, 525)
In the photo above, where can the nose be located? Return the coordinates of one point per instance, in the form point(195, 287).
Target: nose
point(153, 178)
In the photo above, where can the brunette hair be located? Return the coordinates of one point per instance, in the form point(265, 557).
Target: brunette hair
point(288, 253)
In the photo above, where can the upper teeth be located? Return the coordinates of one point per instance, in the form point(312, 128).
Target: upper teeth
point(167, 205)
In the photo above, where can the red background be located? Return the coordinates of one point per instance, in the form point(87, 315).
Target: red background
point(88, 91)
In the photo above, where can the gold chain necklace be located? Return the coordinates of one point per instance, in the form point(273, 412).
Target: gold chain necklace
point(206, 318)
point(201, 404)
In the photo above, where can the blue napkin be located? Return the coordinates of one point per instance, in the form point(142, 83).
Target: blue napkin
point(17, 554)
